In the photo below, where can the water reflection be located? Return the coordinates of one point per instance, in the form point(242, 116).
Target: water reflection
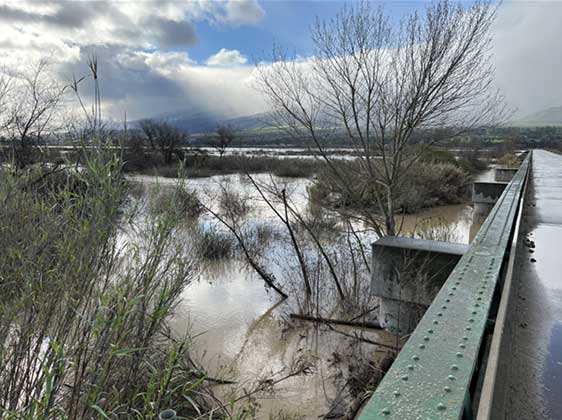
point(241, 331)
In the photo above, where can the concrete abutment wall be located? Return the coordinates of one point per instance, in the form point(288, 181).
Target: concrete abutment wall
point(406, 275)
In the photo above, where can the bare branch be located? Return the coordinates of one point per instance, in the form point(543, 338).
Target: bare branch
point(375, 84)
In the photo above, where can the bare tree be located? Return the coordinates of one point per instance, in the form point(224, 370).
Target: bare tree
point(163, 136)
point(149, 129)
point(5, 115)
point(5, 90)
point(225, 136)
point(377, 84)
point(32, 99)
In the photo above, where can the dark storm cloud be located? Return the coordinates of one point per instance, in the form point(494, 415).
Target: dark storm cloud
point(161, 32)
point(121, 74)
point(72, 15)
point(75, 14)
point(144, 65)
point(15, 15)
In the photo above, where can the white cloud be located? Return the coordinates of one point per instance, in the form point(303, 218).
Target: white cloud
point(139, 45)
point(527, 54)
point(162, 62)
point(244, 12)
point(226, 58)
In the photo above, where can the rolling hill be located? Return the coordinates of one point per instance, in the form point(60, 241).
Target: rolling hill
point(546, 117)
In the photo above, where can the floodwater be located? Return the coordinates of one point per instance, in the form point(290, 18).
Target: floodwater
point(488, 175)
point(243, 333)
point(284, 152)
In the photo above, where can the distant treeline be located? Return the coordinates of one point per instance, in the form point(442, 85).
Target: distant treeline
point(489, 138)
point(518, 137)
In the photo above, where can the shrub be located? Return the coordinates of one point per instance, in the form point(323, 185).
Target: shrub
point(231, 202)
point(433, 185)
point(83, 322)
point(472, 165)
point(203, 165)
point(212, 244)
point(295, 168)
point(509, 160)
point(435, 155)
point(467, 161)
point(426, 185)
point(180, 201)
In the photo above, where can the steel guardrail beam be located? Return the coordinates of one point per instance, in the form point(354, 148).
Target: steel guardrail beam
point(491, 404)
point(431, 377)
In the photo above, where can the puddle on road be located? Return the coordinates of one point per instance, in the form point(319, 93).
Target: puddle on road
point(553, 374)
point(548, 243)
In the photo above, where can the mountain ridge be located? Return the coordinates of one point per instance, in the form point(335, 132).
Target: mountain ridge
point(204, 122)
point(545, 117)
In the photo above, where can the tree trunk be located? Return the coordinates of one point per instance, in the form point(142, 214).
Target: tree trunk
point(390, 225)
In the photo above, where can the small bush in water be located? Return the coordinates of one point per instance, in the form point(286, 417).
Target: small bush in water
point(213, 244)
point(181, 202)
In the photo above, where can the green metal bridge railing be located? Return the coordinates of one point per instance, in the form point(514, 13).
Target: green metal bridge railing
point(433, 374)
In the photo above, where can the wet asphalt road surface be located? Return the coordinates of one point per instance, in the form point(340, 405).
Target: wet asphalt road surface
point(534, 385)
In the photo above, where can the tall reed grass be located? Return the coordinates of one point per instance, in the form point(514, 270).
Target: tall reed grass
point(83, 311)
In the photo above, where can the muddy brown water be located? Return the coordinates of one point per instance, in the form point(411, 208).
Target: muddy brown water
point(242, 333)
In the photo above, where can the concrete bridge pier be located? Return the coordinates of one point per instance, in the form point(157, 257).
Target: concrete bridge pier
point(505, 174)
point(406, 275)
point(485, 195)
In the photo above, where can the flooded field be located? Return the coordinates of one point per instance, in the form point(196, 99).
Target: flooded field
point(242, 332)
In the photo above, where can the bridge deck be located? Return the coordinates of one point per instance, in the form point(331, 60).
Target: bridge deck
point(433, 373)
point(533, 378)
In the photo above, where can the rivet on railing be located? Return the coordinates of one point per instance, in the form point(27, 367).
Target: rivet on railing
point(168, 414)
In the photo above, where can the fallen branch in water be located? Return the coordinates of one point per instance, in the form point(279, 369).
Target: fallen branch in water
point(268, 278)
point(368, 311)
point(202, 375)
point(360, 324)
point(364, 340)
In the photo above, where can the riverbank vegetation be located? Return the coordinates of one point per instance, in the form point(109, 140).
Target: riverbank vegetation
point(83, 316)
point(205, 165)
point(429, 185)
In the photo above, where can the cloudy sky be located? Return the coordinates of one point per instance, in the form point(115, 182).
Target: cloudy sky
point(198, 56)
